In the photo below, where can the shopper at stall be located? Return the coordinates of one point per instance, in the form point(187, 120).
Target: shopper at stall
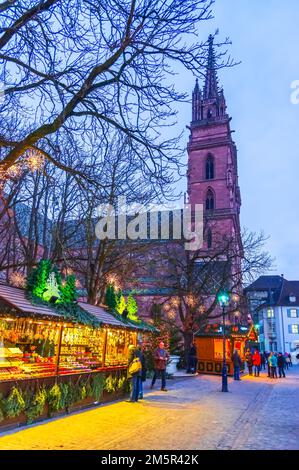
point(161, 357)
point(134, 372)
point(237, 362)
point(256, 360)
point(248, 359)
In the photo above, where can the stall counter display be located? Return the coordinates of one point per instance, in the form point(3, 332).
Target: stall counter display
point(27, 349)
point(82, 350)
point(117, 348)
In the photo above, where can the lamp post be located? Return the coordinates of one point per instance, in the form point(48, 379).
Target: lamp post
point(223, 299)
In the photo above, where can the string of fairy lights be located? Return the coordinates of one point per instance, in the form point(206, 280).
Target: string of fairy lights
point(32, 161)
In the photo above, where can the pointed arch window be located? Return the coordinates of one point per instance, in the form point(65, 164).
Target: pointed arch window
point(210, 170)
point(209, 239)
point(210, 200)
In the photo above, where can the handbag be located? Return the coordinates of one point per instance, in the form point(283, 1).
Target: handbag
point(135, 366)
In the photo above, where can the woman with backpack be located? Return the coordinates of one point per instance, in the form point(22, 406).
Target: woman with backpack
point(134, 372)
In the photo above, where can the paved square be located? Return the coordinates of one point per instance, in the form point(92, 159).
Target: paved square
point(257, 413)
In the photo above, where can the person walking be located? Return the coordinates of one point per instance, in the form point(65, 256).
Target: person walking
point(192, 360)
point(248, 359)
point(281, 362)
point(237, 363)
point(134, 372)
point(256, 360)
point(290, 360)
point(161, 357)
point(273, 365)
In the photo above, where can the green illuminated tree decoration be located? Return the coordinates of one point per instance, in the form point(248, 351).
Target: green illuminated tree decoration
point(132, 308)
point(110, 297)
point(37, 281)
point(120, 303)
point(69, 291)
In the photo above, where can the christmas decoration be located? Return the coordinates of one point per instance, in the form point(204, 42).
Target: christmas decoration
point(110, 297)
point(132, 308)
point(120, 303)
point(17, 279)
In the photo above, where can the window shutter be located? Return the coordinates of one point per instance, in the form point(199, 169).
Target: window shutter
point(290, 328)
point(289, 312)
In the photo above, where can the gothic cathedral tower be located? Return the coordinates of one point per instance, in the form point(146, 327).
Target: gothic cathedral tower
point(212, 163)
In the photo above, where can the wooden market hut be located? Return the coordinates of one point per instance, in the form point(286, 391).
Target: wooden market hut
point(209, 346)
point(41, 349)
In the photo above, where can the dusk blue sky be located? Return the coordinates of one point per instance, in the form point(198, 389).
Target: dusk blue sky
point(265, 37)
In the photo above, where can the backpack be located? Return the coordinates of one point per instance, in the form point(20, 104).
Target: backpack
point(135, 366)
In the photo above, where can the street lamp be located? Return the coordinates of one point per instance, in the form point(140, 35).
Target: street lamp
point(223, 300)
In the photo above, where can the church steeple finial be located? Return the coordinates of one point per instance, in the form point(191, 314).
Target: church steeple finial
point(210, 90)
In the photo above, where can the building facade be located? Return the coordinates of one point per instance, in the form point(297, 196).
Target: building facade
point(274, 302)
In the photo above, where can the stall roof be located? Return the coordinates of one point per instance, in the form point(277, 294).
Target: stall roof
point(16, 298)
point(101, 314)
point(230, 330)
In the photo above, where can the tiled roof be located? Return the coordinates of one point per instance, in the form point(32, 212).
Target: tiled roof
point(16, 299)
point(289, 288)
point(266, 283)
point(101, 314)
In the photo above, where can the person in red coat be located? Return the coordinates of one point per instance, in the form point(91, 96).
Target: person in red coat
point(256, 360)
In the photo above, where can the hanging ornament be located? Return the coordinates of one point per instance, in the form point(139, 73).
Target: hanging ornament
point(52, 290)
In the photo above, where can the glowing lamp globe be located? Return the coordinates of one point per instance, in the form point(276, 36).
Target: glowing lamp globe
point(223, 299)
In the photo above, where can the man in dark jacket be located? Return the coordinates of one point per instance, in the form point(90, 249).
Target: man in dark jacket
point(281, 363)
point(161, 357)
point(192, 360)
point(237, 363)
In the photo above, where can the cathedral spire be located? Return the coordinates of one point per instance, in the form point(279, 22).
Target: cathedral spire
point(196, 103)
point(210, 90)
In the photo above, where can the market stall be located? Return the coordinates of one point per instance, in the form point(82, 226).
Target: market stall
point(43, 353)
point(209, 346)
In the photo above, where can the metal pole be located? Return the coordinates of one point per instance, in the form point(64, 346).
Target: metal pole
point(224, 367)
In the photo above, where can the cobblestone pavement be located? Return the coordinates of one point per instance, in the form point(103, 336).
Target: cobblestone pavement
point(257, 413)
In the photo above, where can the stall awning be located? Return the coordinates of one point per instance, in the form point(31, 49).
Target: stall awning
point(15, 299)
point(101, 314)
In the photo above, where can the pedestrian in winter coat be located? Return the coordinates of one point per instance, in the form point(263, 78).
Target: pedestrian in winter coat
point(248, 359)
point(134, 354)
point(281, 362)
point(237, 363)
point(273, 365)
point(161, 357)
point(256, 360)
